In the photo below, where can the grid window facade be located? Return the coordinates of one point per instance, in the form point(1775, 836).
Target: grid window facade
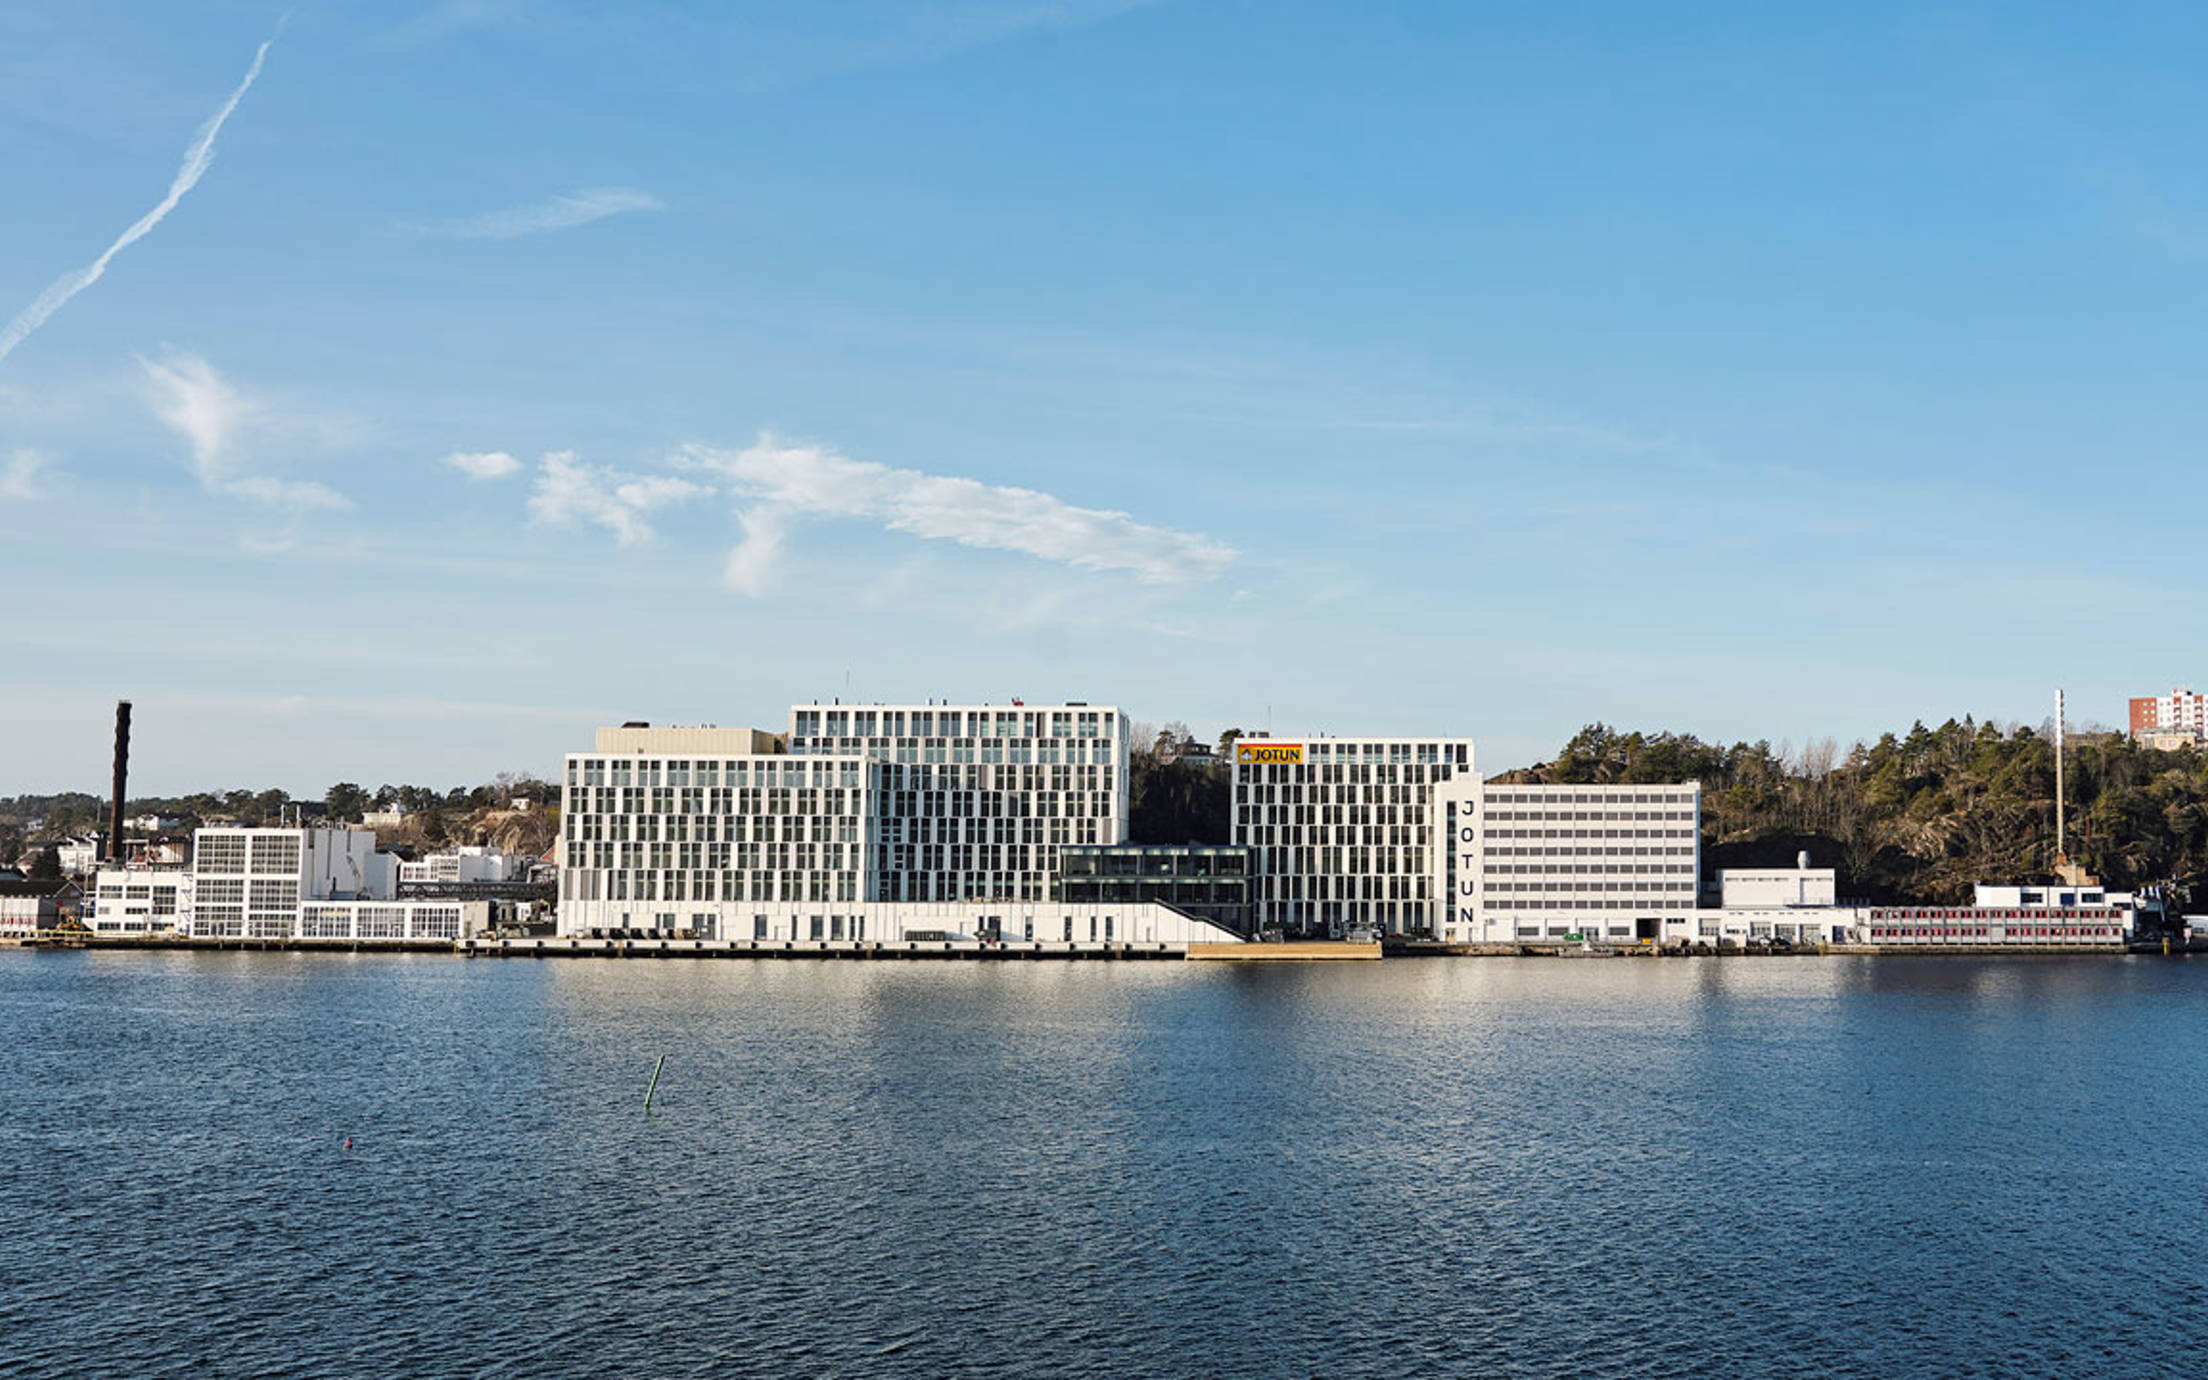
point(1343, 831)
point(868, 803)
point(1581, 858)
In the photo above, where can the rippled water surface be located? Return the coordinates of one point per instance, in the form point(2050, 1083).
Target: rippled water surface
point(1472, 1167)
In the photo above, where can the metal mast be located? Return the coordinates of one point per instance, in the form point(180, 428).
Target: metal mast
point(2062, 838)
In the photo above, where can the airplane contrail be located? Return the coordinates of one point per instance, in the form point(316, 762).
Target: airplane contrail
point(196, 158)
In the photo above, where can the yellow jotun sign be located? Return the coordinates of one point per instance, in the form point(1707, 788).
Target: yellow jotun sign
point(1262, 753)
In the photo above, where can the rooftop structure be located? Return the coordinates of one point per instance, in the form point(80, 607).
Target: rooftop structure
point(1777, 888)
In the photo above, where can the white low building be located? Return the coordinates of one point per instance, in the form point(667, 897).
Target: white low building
point(140, 900)
point(390, 921)
point(1778, 888)
point(474, 863)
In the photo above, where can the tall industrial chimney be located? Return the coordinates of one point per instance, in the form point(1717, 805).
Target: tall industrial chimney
point(122, 780)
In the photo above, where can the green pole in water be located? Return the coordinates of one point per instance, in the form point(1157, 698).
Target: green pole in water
point(654, 1085)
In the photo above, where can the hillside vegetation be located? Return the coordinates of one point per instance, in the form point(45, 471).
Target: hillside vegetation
point(1921, 816)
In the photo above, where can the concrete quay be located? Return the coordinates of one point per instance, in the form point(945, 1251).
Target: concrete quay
point(565, 947)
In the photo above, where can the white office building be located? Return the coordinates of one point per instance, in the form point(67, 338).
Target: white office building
point(863, 823)
point(972, 802)
point(1349, 834)
point(140, 900)
point(1613, 862)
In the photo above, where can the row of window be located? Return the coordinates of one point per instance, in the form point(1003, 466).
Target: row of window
point(775, 772)
point(1589, 816)
point(1638, 850)
point(1597, 904)
point(1590, 833)
point(1582, 869)
point(1580, 797)
point(1337, 751)
point(1646, 887)
point(953, 723)
point(1342, 886)
point(2051, 933)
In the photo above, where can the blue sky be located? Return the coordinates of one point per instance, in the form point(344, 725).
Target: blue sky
point(518, 365)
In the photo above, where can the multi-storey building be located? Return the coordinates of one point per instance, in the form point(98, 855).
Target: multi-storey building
point(250, 883)
point(976, 800)
point(1349, 833)
point(862, 823)
point(1546, 862)
point(2181, 714)
point(703, 826)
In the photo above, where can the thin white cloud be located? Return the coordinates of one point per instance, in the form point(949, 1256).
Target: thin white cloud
point(19, 476)
point(751, 561)
point(484, 464)
point(300, 494)
point(814, 480)
point(200, 405)
point(558, 213)
point(196, 158)
point(569, 492)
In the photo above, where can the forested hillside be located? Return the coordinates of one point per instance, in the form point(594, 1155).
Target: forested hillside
point(1923, 815)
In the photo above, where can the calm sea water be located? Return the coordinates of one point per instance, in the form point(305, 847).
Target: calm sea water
point(1494, 1167)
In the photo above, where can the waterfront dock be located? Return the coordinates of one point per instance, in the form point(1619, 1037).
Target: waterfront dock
point(1315, 951)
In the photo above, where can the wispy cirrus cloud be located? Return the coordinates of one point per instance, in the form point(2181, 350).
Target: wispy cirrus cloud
point(775, 481)
point(19, 476)
point(197, 157)
point(569, 492)
point(194, 400)
point(484, 464)
point(555, 213)
point(774, 486)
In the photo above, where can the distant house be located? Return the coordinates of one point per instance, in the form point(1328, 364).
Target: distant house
point(392, 818)
point(79, 856)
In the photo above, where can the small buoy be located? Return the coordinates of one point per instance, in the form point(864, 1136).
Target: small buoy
point(348, 1142)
